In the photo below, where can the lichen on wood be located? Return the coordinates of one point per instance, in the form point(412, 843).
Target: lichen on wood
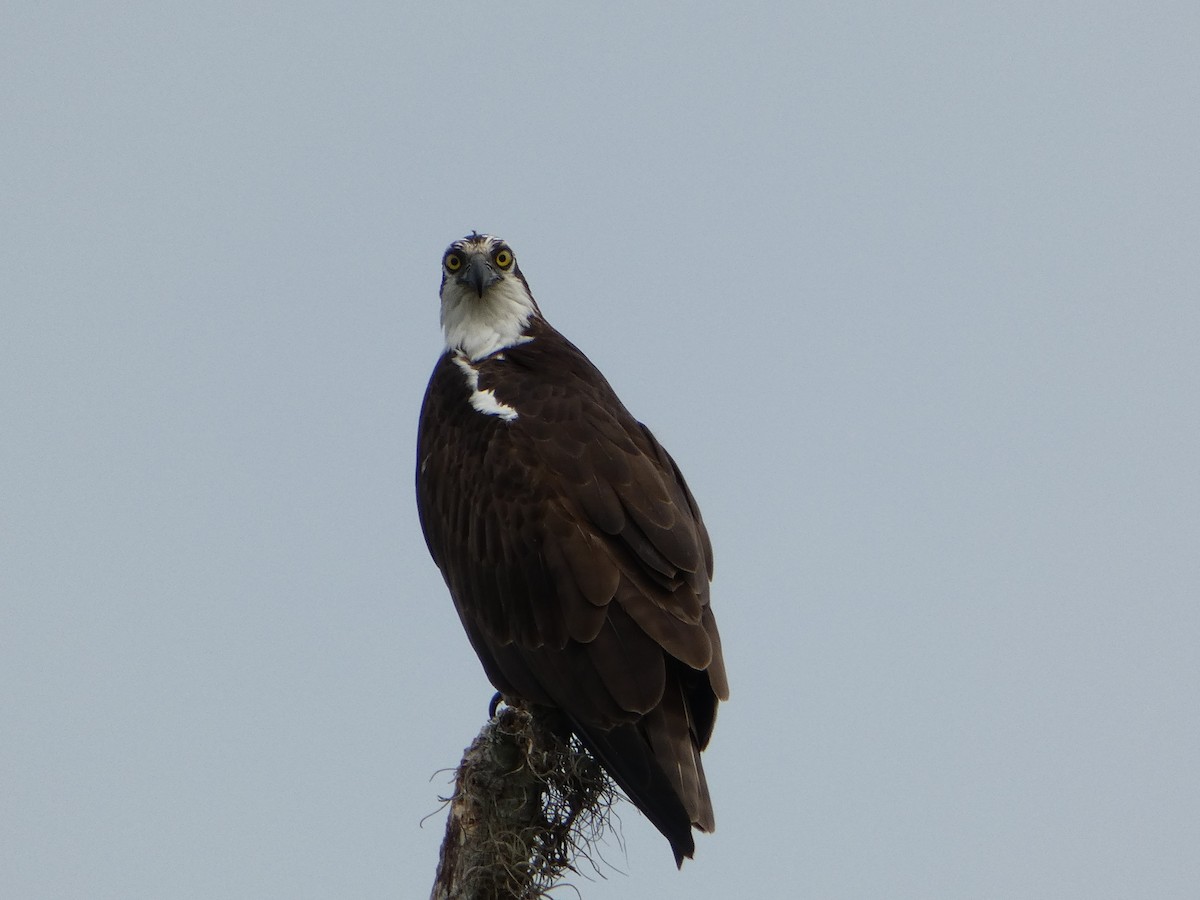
point(528, 803)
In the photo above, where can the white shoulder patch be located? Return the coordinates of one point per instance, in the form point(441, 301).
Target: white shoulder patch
point(483, 401)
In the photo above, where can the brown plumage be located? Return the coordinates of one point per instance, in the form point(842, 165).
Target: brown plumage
point(575, 554)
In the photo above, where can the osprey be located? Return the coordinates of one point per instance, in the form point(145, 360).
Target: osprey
point(571, 545)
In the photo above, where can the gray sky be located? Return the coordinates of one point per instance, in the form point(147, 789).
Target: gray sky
point(910, 292)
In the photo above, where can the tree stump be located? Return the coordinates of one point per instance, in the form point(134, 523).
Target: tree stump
point(528, 801)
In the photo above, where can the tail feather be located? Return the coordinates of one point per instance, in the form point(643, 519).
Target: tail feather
point(628, 758)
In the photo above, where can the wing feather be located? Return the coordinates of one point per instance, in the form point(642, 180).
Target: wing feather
point(629, 662)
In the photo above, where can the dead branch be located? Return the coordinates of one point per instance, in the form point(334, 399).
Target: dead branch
point(528, 802)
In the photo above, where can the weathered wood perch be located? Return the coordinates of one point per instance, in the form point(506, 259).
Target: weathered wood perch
point(528, 801)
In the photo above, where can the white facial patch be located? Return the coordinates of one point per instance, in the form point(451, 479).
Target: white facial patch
point(483, 401)
point(479, 326)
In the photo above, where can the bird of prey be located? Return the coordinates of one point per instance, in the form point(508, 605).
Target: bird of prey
point(572, 547)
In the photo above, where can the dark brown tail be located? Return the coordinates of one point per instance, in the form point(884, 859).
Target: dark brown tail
point(628, 758)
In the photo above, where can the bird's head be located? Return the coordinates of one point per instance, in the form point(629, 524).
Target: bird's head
point(486, 303)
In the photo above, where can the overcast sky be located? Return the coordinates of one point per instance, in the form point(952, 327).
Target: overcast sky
point(909, 291)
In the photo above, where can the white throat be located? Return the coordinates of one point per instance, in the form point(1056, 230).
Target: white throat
point(480, 326)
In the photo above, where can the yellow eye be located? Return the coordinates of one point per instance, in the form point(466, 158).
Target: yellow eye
point(452, 262)
point(504, 258)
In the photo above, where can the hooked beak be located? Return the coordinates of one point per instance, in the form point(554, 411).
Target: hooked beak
point(479, 274)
